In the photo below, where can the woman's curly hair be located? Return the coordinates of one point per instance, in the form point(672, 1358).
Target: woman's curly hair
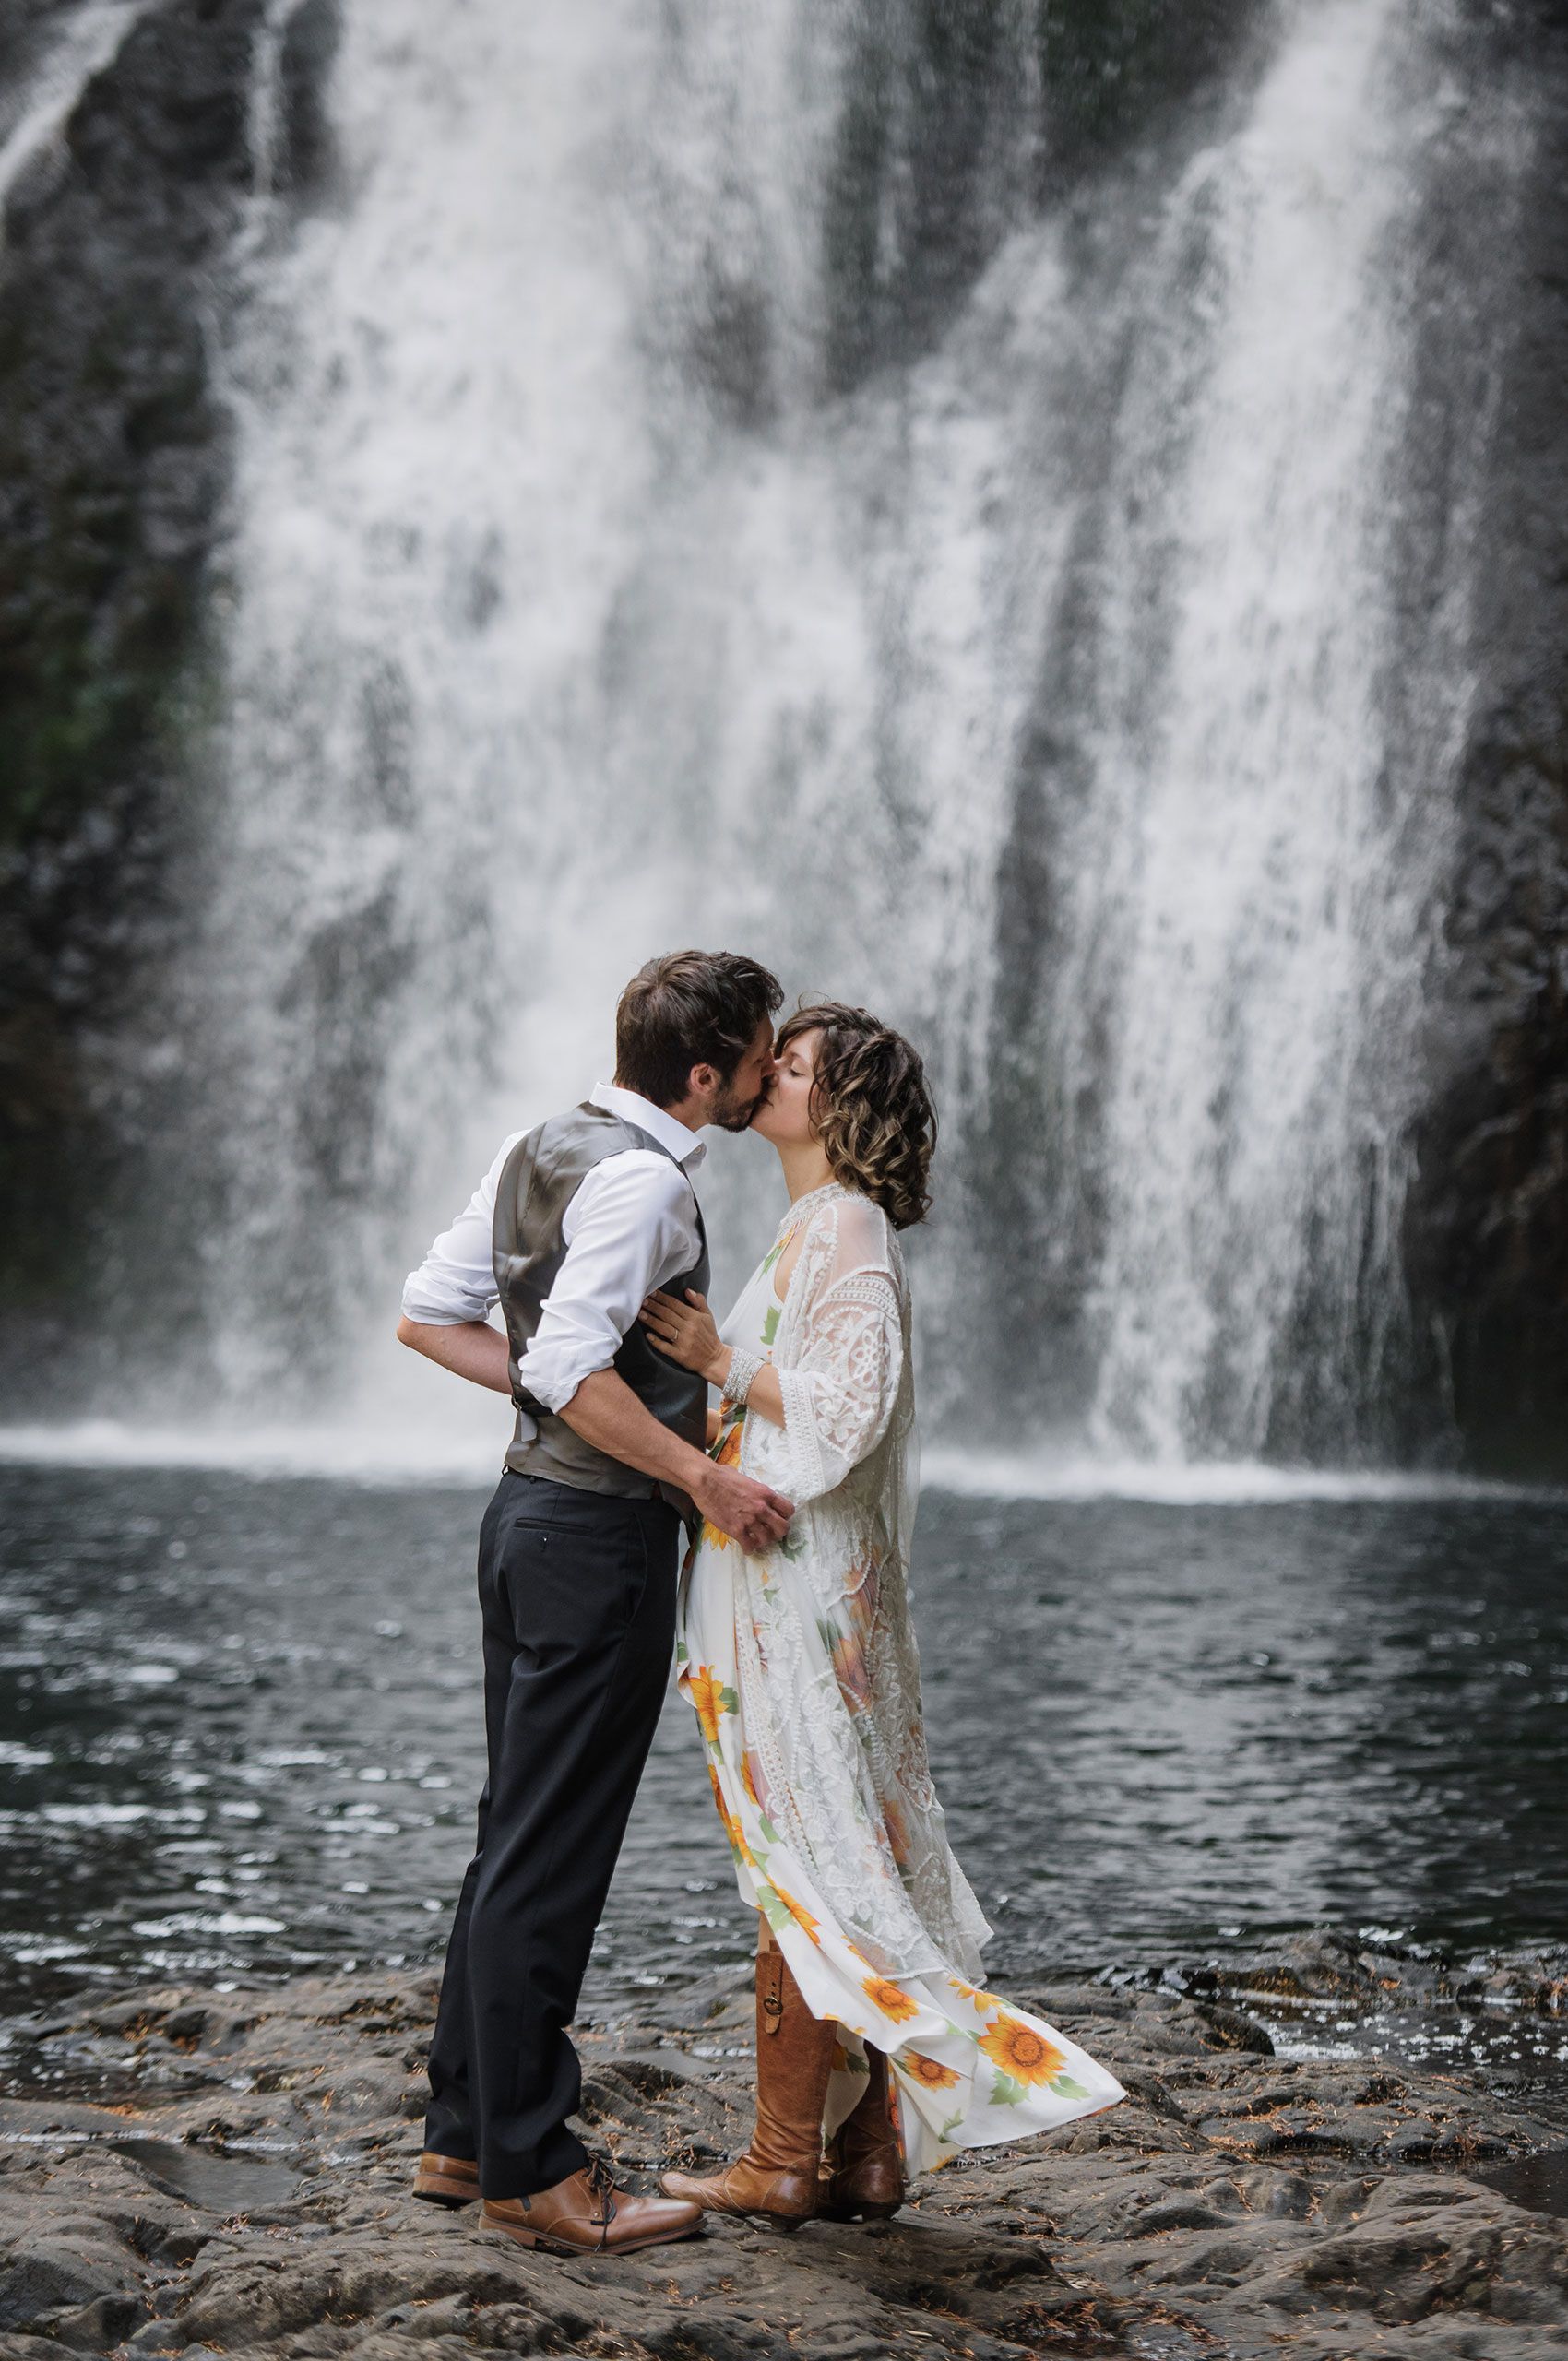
point(871, 1107)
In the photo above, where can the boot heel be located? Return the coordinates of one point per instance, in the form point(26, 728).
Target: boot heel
point(777, 2181)
point(437, 2184)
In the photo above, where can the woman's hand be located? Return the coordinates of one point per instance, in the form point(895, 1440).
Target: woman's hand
point(686, 1332)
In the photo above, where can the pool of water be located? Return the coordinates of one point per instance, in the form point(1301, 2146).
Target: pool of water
point(240, 1735)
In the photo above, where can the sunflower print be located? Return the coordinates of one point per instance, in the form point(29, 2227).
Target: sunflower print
point(928, 2071)
point(1020, 2052)
point(981, 2000)
point(798, 1912)
point(709, 1699)
point(999, 2075)
point(849, 1668)
point(890, 2000)
point(732, 1828)
point(897, 1829)
point(726, 1452)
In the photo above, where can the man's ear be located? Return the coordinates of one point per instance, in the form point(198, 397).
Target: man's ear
point(701, 1082)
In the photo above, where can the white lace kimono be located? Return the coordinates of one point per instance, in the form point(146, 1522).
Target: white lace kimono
point(801, 1667)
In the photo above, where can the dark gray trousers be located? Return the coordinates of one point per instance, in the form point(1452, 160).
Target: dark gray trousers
point(578, 1595)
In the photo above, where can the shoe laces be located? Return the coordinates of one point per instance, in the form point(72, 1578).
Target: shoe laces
point(601, 2184)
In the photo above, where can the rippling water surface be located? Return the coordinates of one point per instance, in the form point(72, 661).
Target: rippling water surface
point(239, 1731)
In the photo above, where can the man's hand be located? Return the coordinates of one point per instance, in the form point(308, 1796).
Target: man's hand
point(751, 1514)
point(605, 1412)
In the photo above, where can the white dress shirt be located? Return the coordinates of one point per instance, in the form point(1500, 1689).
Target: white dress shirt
point(632, 1227)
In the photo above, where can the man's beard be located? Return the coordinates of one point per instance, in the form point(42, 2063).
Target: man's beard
point(732, 1114)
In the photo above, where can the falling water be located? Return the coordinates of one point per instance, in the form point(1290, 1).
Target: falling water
point(1260, 880)
point(577, 608)
point(34, 110)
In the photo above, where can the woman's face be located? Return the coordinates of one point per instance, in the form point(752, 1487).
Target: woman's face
point(784, 1113)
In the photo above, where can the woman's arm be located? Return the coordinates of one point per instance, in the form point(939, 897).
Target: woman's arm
point(838, 1394)
point(835, 1403)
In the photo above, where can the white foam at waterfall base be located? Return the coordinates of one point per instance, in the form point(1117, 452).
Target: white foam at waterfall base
point(446, 1453)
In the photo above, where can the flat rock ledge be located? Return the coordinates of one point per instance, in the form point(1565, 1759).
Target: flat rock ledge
point(189, 2171)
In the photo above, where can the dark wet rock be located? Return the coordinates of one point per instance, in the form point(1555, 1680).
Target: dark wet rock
point(1237, 2204)
point(114, 469)
point(1486, 1256)
point(221, 2183)
point(1297, 1974)
point(116, 283)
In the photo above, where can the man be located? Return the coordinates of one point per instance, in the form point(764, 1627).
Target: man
point(576, 1224)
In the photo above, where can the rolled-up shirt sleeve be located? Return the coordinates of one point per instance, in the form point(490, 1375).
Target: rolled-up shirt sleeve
point(631, 1228)
point(456, 1280)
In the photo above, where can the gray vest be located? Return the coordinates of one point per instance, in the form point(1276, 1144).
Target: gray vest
point(538, 1182)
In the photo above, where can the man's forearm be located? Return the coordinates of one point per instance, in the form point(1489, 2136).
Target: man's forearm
point(469, 1349)
point(606, 1412)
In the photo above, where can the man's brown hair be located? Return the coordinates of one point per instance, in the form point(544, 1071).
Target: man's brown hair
point(690, 1008)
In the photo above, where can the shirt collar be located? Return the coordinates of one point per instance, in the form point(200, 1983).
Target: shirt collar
point(632, 1107)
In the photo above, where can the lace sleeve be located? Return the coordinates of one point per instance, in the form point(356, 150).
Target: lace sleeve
point(840, 1393)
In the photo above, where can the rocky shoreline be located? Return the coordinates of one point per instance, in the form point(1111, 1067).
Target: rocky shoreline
point(189, 2170)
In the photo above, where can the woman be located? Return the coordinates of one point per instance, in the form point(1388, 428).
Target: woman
point(801, 1667)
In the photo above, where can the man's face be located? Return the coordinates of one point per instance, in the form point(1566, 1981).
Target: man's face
point(736, 1101)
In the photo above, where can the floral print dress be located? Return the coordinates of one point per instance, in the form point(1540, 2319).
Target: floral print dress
point(802, 1668)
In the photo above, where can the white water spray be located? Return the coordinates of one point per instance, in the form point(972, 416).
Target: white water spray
point(552, 643)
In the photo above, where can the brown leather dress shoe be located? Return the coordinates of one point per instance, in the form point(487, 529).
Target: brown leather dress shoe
point(587, 2214)
point(865, 2168)
point(448, 2181)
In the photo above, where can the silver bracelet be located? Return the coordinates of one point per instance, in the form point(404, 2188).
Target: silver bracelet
point(744, 1369)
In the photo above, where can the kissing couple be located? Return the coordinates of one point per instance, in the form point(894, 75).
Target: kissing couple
point(784, 1442)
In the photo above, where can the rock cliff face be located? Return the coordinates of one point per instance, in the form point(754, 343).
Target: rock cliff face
point(114, 455)
point(1487, 1245)
point(112, 466)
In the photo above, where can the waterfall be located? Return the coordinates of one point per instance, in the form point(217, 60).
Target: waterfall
point(1043, 687)
point(36, 108)
point(1259, 876)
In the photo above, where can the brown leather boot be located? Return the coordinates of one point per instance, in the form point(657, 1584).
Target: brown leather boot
point(867, 2171)
point(586, 2214)
point(447, 2180)
point(776, 2180)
